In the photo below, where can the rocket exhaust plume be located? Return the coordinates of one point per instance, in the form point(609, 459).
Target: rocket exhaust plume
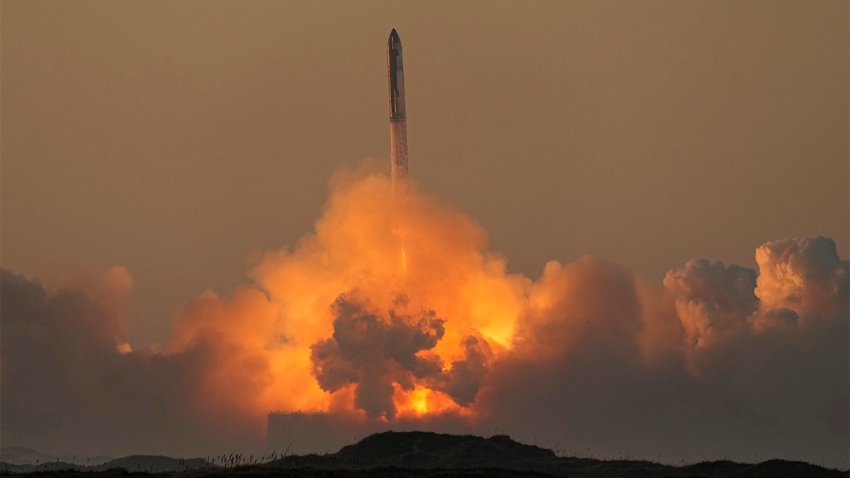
point(398, 121)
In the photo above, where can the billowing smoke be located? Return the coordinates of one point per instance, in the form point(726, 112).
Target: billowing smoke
point(395, 312)
point(71, 383)
point(802, 283)
point(711, 299)
point(375, 351)
point(722, 361)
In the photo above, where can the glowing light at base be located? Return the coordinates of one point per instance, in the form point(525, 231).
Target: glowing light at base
point(419, 400)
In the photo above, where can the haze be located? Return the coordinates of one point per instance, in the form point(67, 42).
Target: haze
point(175, 138)
point(198, 227)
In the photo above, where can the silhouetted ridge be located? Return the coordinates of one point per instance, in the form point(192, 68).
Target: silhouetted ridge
point(428, 455)
point(433, 454)
point(788, 469)
point(434, 450)
point(132, 464)
point(153, 464)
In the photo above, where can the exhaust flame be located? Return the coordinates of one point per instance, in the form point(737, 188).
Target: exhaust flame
point(403, 259)
point(419, 400)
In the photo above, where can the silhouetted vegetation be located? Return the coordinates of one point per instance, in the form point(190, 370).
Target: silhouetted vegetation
point(408, 454)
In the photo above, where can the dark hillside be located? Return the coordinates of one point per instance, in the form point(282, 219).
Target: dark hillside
point(425, 454)
point(433, 450)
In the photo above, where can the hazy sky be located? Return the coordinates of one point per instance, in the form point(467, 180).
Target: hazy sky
point(178, 138)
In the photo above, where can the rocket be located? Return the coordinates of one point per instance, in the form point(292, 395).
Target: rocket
point(398, 122)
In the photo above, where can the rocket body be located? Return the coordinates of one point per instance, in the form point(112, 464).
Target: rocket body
point(398, 120)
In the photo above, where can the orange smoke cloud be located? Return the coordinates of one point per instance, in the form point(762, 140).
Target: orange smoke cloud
point(344, 313)
point(394, 311)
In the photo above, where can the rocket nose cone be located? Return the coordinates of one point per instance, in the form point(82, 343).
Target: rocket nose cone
point(394, 39)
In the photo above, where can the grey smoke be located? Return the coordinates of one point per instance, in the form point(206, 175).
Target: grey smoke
point(376, 349)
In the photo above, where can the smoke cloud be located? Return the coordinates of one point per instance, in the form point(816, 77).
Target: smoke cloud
point(373, 352)
point(395, 313)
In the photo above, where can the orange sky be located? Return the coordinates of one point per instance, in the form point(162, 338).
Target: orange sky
point(179, 139)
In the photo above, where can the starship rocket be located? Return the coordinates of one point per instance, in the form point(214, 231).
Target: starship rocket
point(398, 122)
